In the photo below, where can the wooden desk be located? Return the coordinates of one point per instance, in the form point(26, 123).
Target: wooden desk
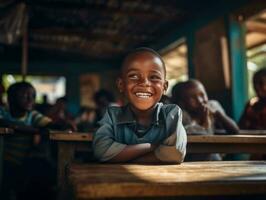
point(226, 144)
point(188, 179)
point(68, 143)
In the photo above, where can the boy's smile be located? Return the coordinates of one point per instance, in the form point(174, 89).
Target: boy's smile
point(143, 80)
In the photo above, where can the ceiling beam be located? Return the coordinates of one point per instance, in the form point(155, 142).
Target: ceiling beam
point(255, 26)
point(97, 34)
point(162, 13)
point(107, 52)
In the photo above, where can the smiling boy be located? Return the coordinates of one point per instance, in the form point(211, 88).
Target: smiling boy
point(144, 130)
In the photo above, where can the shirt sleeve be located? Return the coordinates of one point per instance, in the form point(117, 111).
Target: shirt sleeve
point(215, 106)
point(104, 145)
point(173, 148)
point(40, 120)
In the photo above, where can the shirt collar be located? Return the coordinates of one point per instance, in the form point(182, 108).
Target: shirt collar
point(127, 116)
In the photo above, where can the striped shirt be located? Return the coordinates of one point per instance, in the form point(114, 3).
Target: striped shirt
point(17, 147)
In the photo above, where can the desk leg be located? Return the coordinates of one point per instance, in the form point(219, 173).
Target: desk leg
point(66, 152)
point(1, 162)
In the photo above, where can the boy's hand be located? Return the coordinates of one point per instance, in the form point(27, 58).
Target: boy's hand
point(205, 119)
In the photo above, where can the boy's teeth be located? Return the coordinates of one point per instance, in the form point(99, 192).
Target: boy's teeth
point(143, 94)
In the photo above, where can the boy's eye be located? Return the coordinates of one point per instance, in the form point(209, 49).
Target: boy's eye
point(133, 76)
point(155, 77)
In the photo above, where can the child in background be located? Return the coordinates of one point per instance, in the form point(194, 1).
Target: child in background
point(254, 115)
point(59, 113)
point(103, 98)
point(200, 115)
point(19, 167)
point(86, 119)
point(144, 130)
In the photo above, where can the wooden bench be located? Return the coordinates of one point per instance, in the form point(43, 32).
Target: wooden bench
point(103, 181)
point(226, 144)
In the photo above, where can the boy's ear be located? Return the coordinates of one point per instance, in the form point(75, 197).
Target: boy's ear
point(165, 86)
point(119, 84)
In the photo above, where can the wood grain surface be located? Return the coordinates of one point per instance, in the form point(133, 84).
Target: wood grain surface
point(187, 179)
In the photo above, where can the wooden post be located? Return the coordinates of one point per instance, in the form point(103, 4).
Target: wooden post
point(24, 62)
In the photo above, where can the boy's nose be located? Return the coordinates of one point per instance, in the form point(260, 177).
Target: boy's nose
point(144, 81)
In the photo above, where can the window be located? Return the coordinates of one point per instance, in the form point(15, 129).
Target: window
point(52, 86)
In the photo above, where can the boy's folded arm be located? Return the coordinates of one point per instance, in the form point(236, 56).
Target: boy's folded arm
point(173, 148)
point(131, 152)
point(106, 149)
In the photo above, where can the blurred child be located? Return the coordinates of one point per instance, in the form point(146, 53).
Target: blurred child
point(103, 98)
point(28, 124)
point(43, 107)
point(200, 115)
point(254, 115)
point(59, 114)
point(85, 120)
point(144, 130)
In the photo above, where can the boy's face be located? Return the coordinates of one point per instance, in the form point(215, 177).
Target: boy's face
point(195, 98)
point(143, 80)
point(26, 99)
point(260, 88)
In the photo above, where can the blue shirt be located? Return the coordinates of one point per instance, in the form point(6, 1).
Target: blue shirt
point(119, 128)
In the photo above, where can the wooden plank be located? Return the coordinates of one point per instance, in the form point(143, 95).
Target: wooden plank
point(241, 132)
point(226, 148)
point(187, 179)
point(254, 139)
point(71, 136)
point(226, 144)
point(252, 132)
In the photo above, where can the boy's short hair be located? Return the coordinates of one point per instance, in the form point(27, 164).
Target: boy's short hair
point(143, 49)
point(258, 76)
point(179, 89)
point(14, 88)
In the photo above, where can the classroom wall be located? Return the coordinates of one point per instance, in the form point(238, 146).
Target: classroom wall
point(211, 62)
